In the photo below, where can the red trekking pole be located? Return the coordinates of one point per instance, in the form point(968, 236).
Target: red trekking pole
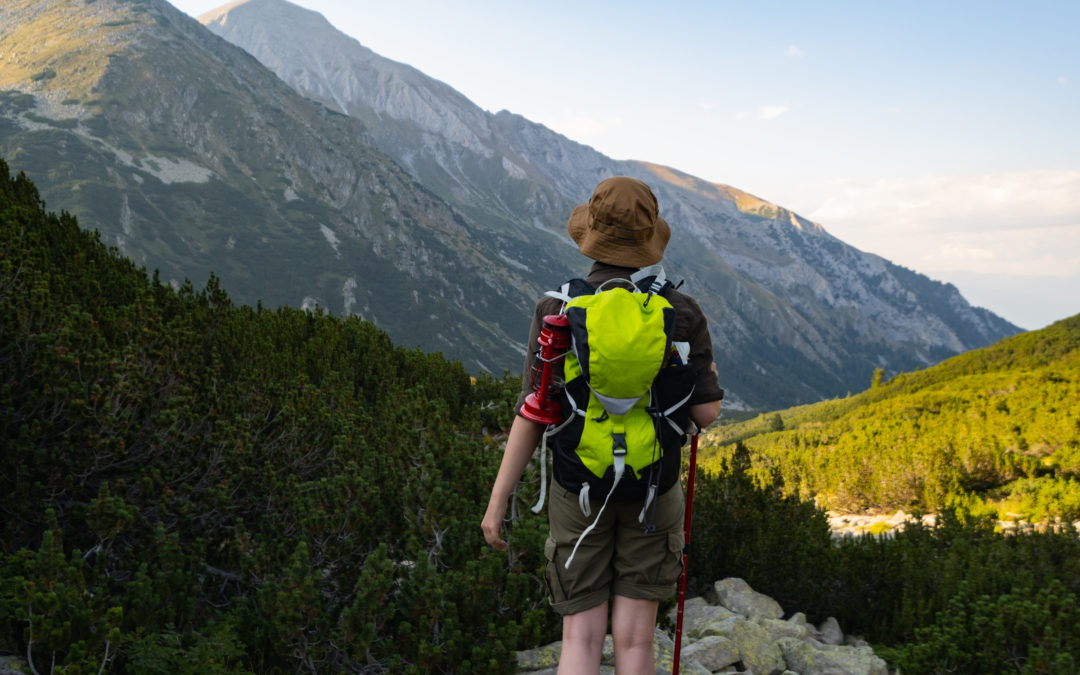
point(687, 519)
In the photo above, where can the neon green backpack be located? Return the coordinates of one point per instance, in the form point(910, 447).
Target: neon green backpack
point(626, 394)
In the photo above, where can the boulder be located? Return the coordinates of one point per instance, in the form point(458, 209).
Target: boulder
point(758, 651)
point(807, 659)
point(830, 633)
point(778, 628)
point(736, 595)
point(711, 653)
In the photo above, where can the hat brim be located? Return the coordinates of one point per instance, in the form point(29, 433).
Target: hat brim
point(600, 246)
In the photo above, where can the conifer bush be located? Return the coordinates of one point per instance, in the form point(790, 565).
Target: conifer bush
point(195, 486)
point(747, 528)
point(1028, 631)
point(956, 596)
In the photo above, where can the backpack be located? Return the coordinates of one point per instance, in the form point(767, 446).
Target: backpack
point(626, 394)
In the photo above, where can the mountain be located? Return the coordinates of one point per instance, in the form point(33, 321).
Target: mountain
point(368, 188)
point(191, 157)
point(794, 310)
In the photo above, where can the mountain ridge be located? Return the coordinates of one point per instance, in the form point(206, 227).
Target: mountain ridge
point(443, 224)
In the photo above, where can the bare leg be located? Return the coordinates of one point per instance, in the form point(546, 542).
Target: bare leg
point(633, 623)
point(583, 641)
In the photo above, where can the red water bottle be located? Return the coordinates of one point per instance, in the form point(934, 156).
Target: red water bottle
point(543, 404)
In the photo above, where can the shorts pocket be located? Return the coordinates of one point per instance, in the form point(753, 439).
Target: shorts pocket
point(672, 568)
point(556, 592)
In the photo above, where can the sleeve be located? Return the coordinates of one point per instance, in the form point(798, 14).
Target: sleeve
point(706, 386)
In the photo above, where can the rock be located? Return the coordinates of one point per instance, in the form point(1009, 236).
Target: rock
point(720, 639)
point(799, 619)
point(806, 659)
point(758, 652)
point(736, 595)
point(779, 629)
point(712, 653)
point(698, 610)
point(830, 632)
point(713, 626)
point(13, 665)
point(664, 650)
point(539, 659)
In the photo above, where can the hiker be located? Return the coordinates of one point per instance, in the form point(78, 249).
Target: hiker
point(622, 562)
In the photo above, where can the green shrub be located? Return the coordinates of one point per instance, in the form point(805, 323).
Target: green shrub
point(282, 490)
point(1025, 631)
point(778, 544)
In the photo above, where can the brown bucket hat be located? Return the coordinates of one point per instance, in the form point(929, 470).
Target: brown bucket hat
point(621, 224)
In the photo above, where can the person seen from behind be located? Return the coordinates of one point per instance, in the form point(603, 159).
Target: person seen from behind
point(623, 566)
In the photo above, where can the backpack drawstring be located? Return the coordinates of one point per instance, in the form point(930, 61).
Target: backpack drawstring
point(620, 467)
point(583, 500)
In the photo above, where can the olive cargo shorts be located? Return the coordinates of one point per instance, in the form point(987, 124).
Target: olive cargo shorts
point(618, 556)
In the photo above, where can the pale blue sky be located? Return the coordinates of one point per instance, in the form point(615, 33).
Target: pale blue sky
point(940, 135)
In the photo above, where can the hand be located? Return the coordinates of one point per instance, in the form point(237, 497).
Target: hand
point(492, 526)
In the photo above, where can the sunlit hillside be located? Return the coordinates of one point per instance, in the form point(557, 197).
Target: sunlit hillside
point(998, 426)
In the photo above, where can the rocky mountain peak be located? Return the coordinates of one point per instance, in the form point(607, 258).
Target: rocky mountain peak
point(329, 66)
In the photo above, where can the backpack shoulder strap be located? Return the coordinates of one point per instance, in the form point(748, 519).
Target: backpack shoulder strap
point(570, 290)
point(652, 280)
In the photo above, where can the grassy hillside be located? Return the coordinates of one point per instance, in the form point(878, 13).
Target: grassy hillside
point(998, 426)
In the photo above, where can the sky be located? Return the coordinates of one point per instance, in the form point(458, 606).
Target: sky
point(943, 136)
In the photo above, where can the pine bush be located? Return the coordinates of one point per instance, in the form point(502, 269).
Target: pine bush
point(195, 486)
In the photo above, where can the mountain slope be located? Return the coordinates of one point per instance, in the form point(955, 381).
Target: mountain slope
point(998, 424)
point(190, 156)
point(795, 312)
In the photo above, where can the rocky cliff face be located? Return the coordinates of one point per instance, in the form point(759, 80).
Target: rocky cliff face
point(367, 188)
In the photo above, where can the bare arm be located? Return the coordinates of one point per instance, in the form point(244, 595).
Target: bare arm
point(706, 413)
point(524, 437)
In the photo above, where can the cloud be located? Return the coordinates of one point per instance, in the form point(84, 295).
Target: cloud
point(765, 112)
point(974, 202)
point(794, 52)
point(771, 112)
point(1024, 223)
